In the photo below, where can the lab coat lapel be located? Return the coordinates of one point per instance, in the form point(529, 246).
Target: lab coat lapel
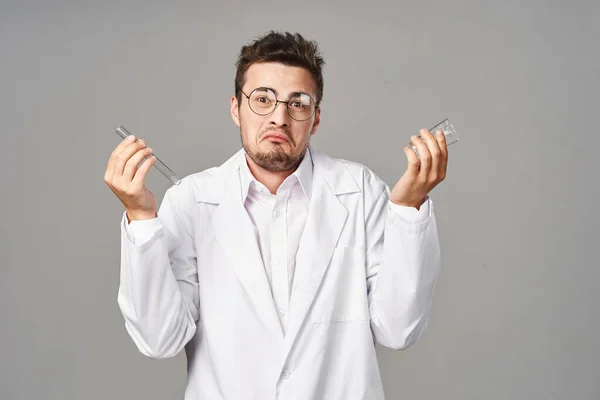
point(235, 232)
point(326, 219)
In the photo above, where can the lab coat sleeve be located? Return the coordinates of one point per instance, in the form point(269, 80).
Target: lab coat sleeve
point(403, 264)
point(158, 289)
point(411, 214)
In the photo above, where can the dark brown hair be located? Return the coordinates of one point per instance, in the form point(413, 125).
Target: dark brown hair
point(289, 49)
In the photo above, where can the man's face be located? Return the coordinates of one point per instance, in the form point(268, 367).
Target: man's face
point(275, 142)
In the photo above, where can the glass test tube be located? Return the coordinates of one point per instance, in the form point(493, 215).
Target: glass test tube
point(166, 171)
point(447, 128)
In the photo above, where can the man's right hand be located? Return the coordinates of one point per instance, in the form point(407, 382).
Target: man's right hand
point(126, 180)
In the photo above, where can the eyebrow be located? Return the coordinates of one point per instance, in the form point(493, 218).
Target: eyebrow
point(277, 94)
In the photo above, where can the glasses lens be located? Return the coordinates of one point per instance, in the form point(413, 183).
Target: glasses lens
point(262, 101)
point(301, 107)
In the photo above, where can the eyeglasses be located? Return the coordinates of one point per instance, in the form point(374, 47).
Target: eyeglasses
point(263, 101)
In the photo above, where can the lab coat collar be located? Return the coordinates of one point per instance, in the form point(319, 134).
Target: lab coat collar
point(337, 177)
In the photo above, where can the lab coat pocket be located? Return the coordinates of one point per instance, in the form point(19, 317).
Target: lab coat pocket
point(342, 296)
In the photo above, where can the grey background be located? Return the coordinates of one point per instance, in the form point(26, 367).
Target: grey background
point(515, 315)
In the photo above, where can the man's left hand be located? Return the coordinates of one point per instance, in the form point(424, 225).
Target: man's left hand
point(420, 178)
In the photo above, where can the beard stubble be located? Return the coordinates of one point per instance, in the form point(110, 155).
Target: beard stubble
point(276, 160)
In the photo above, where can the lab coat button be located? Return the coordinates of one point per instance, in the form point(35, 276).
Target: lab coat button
point(285, 375)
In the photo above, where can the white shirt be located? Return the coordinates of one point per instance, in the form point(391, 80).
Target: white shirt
point(279, 221)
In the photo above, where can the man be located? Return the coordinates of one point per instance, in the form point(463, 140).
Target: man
point(279, 270)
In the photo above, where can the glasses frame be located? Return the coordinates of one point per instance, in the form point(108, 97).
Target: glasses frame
point(277, 101)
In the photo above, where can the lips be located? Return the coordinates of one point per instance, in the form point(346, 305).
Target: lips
point(276, 137)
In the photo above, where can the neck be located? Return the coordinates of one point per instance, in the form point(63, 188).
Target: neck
point(271, 179)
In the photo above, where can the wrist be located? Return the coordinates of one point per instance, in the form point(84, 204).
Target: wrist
point(140, 215)
point(408, 203)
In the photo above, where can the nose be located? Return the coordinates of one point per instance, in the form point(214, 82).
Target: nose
point(279, 116)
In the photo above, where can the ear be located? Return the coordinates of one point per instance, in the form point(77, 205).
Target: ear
point(317, 121)
point(234, 110)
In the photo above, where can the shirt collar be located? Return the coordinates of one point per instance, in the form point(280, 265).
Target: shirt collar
point(304, 175)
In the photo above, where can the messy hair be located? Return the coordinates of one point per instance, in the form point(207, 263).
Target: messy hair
point(283, 47)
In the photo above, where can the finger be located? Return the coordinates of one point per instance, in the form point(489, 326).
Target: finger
point(134, 162)
point(441, 138)
point(124, 143)
point(113, 157)
point(430, 141)
point(413, 162)
point(434, 151)
point(124, 156)
point(424, 156)
point(142, 172)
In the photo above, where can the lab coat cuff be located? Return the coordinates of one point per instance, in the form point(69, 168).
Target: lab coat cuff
point(139, 232)
point(410, 217)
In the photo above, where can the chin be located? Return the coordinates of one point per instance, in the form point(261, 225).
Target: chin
point(276, 160)
point(273, 156)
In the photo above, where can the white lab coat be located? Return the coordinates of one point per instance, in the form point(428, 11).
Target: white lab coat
point(362, 275)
